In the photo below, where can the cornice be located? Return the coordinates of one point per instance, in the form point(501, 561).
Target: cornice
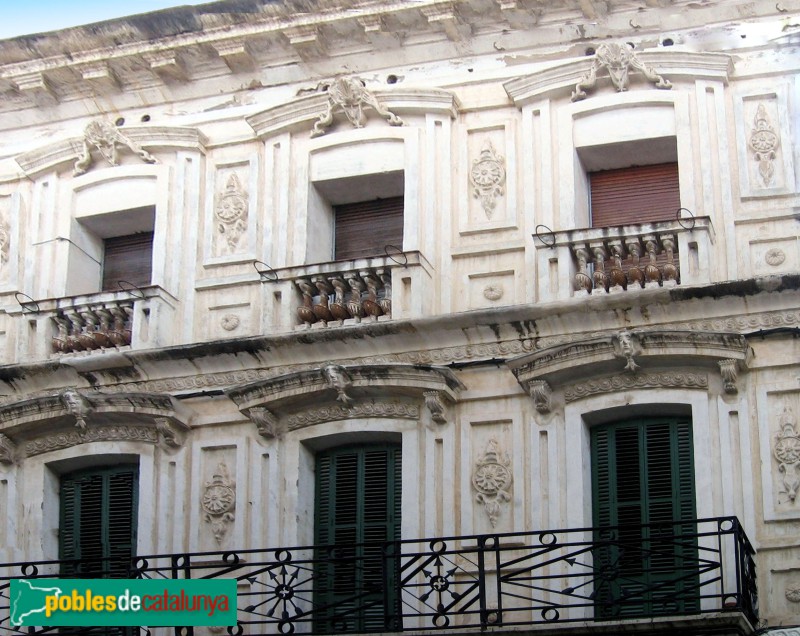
point(152, 137)
point(561, 78)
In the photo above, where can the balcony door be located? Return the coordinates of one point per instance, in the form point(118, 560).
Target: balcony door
point(357, 516)
point(97, 531)
point(643, 492)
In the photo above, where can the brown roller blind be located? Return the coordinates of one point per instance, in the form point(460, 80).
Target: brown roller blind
point(641, 194)
point(128, 258)
point(366, 228)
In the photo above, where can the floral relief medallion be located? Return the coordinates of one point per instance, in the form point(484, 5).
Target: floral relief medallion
point(492, 480)
point(219, 501)
point(775, 257)
point(488, 176)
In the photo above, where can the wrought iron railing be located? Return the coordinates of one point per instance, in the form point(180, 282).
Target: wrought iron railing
point(507, 581)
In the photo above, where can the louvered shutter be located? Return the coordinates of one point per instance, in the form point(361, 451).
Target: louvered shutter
point(366, 228)
point(98, 522)
point(643, 473)
point(640, 194)
point(358, 499)
point(128, 258)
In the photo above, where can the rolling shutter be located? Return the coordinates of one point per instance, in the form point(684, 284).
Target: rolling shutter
point(643, 473)
point(128, 258)
point(358, 499)
point(641, 194)
point(98, 522)
point(365, 229)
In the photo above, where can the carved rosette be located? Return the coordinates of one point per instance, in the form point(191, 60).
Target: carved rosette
point(350, 96)
point(793, 593)
point(775, 257)
point(492, 479)
point(764, 143)
point(617, 60)
point(219, 502)
point(106, 138)
point(787, 451)
point(488, 177)
point(231, 211)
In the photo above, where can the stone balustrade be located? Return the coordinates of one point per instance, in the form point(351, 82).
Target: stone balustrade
point(93, 326)
point(623, 258)
point(337, 297)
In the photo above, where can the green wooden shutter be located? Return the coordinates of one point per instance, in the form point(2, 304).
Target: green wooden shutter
point(358, 500)
point(98, 521)
point(643, 473)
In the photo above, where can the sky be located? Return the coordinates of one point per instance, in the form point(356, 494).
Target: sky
point(18, 17)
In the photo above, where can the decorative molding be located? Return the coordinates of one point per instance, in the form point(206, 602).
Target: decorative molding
point(360, 410)
point(488, 177)
point(71, 438)
point(8, 450)
point(787, 451)
point(231, 211)
point(219, 502)
point(775, 257)
point(729, 370)
point(639, 381)
point(350, 96)
point(106, 138)
point(542, 394)
point(492, 479)
point(435, 404)
point(170, 434)
point(764, 143)
point(618, 60)
point(265, 420)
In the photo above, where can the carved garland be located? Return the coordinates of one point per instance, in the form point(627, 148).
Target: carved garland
point(492, 479)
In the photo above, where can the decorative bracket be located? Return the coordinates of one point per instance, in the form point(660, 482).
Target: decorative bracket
point(435, 404)
point(169, 433)
point(617, 59)
point(542, 394)
point(265, 420)
point(8, 450)
point(729, 370)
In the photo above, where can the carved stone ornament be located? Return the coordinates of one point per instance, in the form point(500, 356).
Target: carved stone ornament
point(492, 479)
point(231, 211)
point(7, 450)
point(618, 60)
point(436, 406)
point(775, 256)
point(363, 410)
point(787, 452)
point(764, 143)
point(106, 138)
point(488, 178)
point(76, 405)
point(541, 393)
point(5, 241)
point(265, 420)
point(338, 379)
point(793, 593)
point(219, 502)
point(626, 345)
point(729, 370)
point(638, 381)
point(493, 292)
point(349, 95)
point(230, 322)
point(171, 435)
point(71, 438)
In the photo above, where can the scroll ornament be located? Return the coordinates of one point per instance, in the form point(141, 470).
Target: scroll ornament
point(219, 502)
point(107, 139)
point(350, 96)
point(492, 479)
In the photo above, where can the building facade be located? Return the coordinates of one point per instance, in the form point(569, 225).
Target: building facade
point(498, 297)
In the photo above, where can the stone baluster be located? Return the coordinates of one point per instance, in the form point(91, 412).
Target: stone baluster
point(339, 307)
point(635, 273)
point(354, 305)
point(386, 300)
point(92, 321)
point(600, 277)
point(306, 311)
point(321, 309)
point(61, 339)
point(128, 324)
point(370, 303)
point(583, 282)
point(119, 335)
point(105, 318)
point(652, 274)
point(669, 270)
point(78, 339)
point(616, 275)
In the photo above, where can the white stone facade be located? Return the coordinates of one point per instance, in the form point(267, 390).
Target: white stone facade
point(232, 135)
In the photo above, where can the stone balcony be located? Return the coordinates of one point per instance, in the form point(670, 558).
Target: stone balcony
point(624, 258)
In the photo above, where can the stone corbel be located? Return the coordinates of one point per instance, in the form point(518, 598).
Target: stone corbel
point(542, 394)
point(729, 370)
point(8, 450)
point(171, 433)
point(435, 403)
point(235, 53)
point(265, 420)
